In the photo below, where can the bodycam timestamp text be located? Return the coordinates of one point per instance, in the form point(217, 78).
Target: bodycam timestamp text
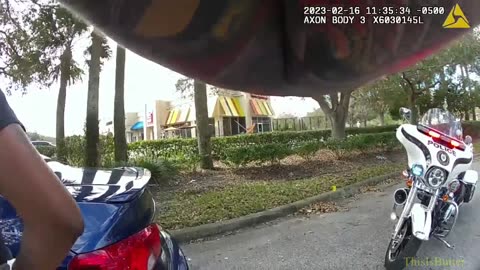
point(376, 19)
point(369, 14)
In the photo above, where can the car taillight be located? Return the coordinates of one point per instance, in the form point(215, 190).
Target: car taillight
point(137, 252)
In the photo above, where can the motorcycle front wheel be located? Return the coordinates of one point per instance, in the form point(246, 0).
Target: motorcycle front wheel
point(402, 249)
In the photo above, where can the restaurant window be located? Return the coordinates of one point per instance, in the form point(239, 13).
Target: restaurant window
point(184, 132)
point(233, 126)
point(262, 124)
point(227, 127)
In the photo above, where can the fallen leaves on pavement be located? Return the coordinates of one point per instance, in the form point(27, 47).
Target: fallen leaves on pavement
point(319, 208)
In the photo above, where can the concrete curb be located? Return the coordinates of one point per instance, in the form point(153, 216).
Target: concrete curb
point(212, 229)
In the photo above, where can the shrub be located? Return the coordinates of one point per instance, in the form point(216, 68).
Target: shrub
point(288, 138)
point(48, 151)
point(363, 143)
point(162, 170)
point(308, 150)
point(75, 150)
point(237, 156)
point(272, 153)
point(166, 148)
point(256, 153)
point(364, 130)
point(188, 162)
point(244, 149)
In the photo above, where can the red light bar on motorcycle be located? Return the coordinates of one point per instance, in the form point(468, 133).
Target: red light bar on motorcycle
point(443, 139)
point(434, 134)
point(455, 143)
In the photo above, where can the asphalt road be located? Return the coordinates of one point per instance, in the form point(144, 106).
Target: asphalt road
point(355, 238)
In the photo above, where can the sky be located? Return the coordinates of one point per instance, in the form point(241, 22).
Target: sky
point(145, 81)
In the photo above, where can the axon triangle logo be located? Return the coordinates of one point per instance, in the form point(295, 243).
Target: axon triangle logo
point(456, 19)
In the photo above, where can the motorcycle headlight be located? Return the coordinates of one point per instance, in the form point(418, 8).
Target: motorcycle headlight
point(436, 177)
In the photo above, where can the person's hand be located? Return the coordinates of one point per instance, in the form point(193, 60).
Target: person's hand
point(48, 211)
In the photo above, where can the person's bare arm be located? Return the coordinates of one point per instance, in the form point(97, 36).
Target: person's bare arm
point(52, 220)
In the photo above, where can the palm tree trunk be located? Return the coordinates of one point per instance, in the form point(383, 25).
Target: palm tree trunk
point(92, 131)
point(65, 63)
point(203, 128)
point(119, 108)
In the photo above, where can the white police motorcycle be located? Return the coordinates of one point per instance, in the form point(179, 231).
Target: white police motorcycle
point(438, 181)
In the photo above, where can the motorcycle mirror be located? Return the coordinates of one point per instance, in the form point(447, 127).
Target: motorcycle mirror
point(405, 113)
point(468, 139)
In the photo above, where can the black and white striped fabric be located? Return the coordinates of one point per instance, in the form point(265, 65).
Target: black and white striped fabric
point(96, 185)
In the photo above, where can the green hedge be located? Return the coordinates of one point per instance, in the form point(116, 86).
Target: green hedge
point(75, 150)
point(234, 151)
point(380, 129)
point(252, 148)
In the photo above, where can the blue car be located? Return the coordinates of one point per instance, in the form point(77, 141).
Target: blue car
point(120, 229)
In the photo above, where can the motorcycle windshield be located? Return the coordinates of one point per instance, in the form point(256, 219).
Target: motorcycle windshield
point(442, 121)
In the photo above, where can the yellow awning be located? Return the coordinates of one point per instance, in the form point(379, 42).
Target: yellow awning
point(255, 108)
point(232, 106)
point(183, 114)
point(261, 105)
point(211, 104)
point(238, 106)
point(175, 116)
point(225, 108)
point(268, 108)
point(169, 118)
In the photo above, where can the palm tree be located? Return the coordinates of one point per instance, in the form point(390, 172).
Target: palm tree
point(203, 127)
point(40, 41)
point(98, 51)
point(119, 108)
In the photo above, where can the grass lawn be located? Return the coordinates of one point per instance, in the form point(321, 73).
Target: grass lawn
point(476, 146)
point(192, 209)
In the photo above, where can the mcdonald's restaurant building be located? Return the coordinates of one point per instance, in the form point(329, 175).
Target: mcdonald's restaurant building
point(229, 113)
